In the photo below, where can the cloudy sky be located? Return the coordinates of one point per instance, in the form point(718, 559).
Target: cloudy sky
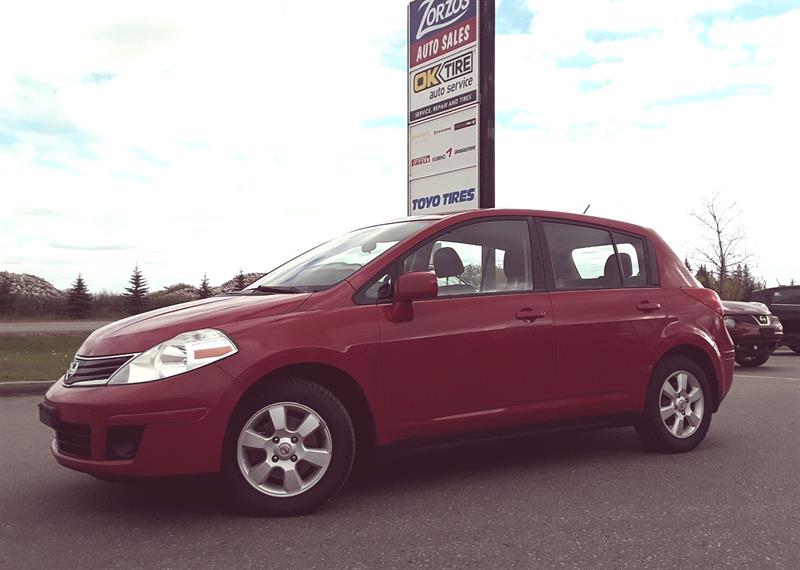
point(192, 139)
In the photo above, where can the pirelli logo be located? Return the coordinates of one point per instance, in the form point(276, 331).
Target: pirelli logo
point(443, 72)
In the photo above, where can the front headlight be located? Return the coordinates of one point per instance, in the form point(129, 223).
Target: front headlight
point(183, 353)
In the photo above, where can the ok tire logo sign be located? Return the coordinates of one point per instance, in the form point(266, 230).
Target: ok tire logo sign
point(440, 73)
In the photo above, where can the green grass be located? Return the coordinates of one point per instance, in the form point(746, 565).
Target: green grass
point(36, 357)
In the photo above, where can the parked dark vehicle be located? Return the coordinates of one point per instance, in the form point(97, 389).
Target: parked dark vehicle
point(755, 331)
point(784, 303)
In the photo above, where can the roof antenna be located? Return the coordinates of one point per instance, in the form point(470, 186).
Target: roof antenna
point(587, 208)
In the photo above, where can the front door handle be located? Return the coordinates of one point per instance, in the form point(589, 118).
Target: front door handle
point(648, 306)
point(529, 315)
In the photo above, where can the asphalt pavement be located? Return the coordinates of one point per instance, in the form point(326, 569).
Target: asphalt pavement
point(573, 500)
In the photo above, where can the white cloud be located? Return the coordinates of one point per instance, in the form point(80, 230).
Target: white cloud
point(211, 138)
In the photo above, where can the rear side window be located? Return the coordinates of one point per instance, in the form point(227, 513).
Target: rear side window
point(582, 257)
point(786, 297)
point(632, 259)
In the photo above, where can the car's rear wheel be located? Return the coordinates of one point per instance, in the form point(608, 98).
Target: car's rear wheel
point(289, 448)
point(678, 407)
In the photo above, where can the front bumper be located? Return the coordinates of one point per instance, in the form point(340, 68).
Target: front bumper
point(751, 339)
point(757, 346)
point(176, 426)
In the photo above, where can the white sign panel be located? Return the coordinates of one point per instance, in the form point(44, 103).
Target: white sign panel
point(450, 192)
point(443, 144)
point(443, 85)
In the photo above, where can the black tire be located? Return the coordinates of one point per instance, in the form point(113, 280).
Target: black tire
point(651, 428)
point(753, 361)
point(342, 435)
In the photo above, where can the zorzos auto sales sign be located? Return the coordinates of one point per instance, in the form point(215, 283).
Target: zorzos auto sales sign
point(443, 88)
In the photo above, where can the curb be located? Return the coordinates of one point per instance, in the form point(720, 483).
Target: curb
point(24, 388)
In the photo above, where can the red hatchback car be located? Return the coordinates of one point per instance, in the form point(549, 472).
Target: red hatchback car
point(431, 326)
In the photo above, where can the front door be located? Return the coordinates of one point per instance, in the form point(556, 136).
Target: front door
point(481, 354)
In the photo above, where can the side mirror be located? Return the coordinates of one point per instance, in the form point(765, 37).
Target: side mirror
point(413, 286)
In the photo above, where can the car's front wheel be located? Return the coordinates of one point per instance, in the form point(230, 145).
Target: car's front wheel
point(754, 360)
point(289, 448)
point(678, 407)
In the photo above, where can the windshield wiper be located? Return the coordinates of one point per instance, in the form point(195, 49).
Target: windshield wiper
point(276, 289)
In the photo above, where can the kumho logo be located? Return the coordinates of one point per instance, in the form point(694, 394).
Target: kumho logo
point(438, 14)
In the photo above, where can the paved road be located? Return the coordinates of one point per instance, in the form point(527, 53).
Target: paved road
point(51, 327)
point(572, 500)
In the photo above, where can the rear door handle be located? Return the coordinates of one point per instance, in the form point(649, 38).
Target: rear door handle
point(529, 315)
point(648, 306)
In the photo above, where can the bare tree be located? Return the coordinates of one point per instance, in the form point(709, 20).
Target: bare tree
point(724, 244)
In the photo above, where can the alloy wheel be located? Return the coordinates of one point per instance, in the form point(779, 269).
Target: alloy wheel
point(682, 404)
point(284, 449)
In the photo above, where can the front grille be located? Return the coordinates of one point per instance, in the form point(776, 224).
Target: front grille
point(74, 439)
point(94, 369)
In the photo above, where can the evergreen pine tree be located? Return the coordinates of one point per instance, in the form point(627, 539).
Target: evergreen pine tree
point(79, 301)
point(748, 283)
point(240, 281)
point(704, 277)
point(205, 289)
point(6, 296)
point(687, 264)
point(136, 295)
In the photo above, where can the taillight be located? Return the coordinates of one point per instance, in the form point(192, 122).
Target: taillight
point(708, 297)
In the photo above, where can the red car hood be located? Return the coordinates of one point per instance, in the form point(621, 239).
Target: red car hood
point(140, 332)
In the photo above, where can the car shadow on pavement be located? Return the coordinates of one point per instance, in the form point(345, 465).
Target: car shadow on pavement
point(523, 452)
point(389, 474)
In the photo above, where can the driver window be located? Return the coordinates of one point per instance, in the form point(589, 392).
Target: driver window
point(484, 257)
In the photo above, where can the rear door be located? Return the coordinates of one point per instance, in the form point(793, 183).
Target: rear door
point(608, 315)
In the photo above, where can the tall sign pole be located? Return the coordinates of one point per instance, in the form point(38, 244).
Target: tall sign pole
point(487, 35)
point(450, 105)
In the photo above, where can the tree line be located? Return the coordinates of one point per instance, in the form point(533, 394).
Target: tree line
point(79, 303)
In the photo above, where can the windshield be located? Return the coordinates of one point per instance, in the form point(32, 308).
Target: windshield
point(333, 261)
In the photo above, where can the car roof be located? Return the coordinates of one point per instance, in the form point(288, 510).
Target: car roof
point(779, 288)
point(566, 216)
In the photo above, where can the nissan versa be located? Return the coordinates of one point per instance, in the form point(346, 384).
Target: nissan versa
point(433, 326)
